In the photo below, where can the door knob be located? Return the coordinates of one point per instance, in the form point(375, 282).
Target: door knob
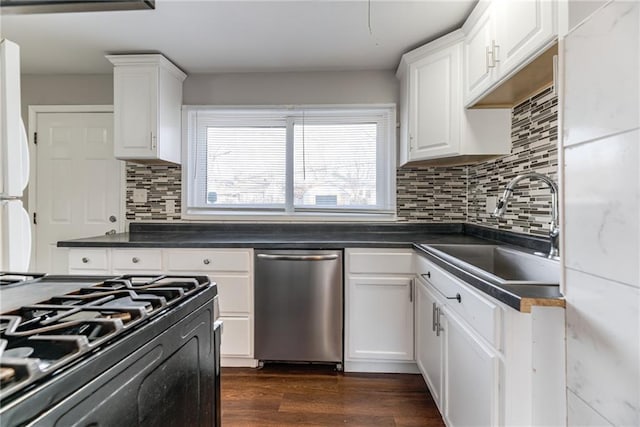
point(112, 218)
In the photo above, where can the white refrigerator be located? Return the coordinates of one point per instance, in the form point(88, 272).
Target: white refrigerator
point(15, 226)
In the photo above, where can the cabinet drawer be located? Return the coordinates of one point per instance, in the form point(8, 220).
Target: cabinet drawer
point(234, 293)
point(383, 261)
point(208, 260)
point(478, 311)
point(88, 259)
point(148, 259)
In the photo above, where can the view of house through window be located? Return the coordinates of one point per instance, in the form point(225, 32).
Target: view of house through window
point(335, 165)
point(313, 160)
point(246, 165)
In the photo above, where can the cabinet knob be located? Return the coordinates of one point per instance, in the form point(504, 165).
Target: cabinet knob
point(85, 260)
point(206, 261)
point(135, 260)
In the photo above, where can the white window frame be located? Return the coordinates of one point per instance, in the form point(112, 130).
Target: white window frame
point(238, 115)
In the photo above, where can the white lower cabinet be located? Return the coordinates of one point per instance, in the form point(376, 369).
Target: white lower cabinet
point(136, 261)
point(89, 261)
point(471, 375)
point(237, 340)
point(231, 269)
point(429, 340)
point(485, 363)
point(379, 298)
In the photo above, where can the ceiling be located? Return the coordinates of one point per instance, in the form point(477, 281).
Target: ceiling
point(215, 36)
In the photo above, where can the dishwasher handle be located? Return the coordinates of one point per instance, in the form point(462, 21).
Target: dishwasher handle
point(298, 257)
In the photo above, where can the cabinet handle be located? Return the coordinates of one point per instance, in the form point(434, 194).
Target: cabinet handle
point(457, 297)
point(85, 260)
point(153, 141)
point(488, 59)
point(135, 260)
point(434, 308)
point(411, 290)
point(206, 261)
point(427, 275)
point(495, 49)
point(438, 329)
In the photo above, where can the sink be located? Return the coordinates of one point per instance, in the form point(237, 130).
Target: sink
point(500, 264)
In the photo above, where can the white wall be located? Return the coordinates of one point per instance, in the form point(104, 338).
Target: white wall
point(348, 87)
point(67, 89)
point(601, 139)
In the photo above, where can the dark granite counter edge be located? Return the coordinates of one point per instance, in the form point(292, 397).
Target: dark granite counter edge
point(511, 299)
point(235, 244)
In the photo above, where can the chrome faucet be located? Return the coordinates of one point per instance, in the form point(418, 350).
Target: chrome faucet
point(554, 229)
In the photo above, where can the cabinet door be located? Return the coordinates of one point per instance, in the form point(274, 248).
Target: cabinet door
point(471, 376)
point(478, 70)
point(435, 104)
point(428, 341)
point(380, 318)
point(523, 28)
point(135, 111)
point(237, 337)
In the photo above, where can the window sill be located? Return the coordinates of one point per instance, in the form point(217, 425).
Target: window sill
point(279, 217)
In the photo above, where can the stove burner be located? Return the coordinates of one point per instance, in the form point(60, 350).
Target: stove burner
point(38, 339)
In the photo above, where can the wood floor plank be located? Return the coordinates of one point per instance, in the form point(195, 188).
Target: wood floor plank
point(316, 395)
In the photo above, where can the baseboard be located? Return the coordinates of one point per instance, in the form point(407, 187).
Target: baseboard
point(378, 366)
point(238, 362)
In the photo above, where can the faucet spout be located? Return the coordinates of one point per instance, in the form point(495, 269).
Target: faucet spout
point(554, 229)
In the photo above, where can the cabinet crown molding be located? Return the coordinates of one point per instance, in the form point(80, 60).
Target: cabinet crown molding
point(147, 59)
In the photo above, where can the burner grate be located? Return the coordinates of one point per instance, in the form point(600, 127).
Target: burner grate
point(38, 339)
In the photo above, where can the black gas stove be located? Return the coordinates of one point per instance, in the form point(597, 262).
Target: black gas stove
point(107, 350)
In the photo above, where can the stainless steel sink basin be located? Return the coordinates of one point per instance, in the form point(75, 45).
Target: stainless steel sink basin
point(500, 264)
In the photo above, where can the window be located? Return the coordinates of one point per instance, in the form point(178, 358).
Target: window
point(302, 162)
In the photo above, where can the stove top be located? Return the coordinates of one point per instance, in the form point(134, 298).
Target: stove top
point(8, 278)
point(74, 315)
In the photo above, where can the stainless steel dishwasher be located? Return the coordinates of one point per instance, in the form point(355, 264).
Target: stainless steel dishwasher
point(298, 306)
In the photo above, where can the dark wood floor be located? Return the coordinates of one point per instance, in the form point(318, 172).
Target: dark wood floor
point(311, 395)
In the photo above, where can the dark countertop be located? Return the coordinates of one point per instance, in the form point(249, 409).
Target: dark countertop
point(335, 236)
point(268, 241)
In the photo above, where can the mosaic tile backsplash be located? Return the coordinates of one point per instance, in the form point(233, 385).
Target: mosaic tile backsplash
point(534, 134)
point(427, 194)
point(162, 183)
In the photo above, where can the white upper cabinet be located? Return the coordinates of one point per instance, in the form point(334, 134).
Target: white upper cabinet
point(522, 29)
point(479, 71)
point(434, 124)
point(501, 37)
point(147, 108)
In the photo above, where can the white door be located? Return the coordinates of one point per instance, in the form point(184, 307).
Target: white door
point(522, 29)
point(428, 341)
point(435, 104)
point(478, 73)
point(471, 376)
point(78, 183)
point(380, 318)
point(135, 106)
